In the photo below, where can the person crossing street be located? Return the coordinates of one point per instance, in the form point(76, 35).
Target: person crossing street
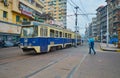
point(91, 45)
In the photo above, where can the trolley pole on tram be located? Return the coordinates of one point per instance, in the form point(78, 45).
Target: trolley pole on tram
point(76, 26)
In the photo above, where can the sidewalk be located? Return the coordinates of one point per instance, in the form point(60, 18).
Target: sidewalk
point(110, 47)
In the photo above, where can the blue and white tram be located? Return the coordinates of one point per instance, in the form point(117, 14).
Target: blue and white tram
point(40, 37)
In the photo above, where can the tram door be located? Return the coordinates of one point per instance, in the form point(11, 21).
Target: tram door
point(44, 39)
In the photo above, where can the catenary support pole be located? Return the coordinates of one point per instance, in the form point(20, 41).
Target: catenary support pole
point(76, 30)
point(107, 26)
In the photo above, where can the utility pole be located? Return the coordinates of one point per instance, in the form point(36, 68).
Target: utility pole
point(101, 35)
point(76, 26)
point(107, 26)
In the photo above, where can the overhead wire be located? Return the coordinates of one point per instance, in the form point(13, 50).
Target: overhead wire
point(83, 9)
point(80, 10)
point(72, 5)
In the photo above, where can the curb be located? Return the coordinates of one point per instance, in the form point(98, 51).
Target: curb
point(108, 50)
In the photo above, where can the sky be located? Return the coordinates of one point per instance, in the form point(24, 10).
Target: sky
point(85, 6)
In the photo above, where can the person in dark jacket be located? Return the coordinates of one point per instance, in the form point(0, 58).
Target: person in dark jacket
point(0, 43)
point(3, 43)
point(91, 46)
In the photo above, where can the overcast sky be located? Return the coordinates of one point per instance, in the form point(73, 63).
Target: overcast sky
point(87, 6)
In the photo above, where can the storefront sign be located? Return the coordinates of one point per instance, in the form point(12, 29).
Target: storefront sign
point(25, 10)
point(26, 13)
point(8, 28)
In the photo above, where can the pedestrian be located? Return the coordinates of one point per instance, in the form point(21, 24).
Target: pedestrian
point(82, 41)
point(0, 43)
point(91, 45)
point(3, 43)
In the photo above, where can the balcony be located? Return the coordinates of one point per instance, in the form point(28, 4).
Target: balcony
point(114, 27)
point(15, 6)
point(40, 3)
point(116, 20)
point(33, 6)
point(104, 30)
point(117, 6)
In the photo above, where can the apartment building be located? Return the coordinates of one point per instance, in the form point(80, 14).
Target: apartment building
point(87, 35)
point(114, 16)
point(13, 13)
point(90, 29)
point(102, 23)
point(94, 27)
point(57, 9)
point(99, 27)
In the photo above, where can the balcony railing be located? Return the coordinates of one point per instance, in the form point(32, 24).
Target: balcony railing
point(116, 20)
point(117, 6)
point(31, 6)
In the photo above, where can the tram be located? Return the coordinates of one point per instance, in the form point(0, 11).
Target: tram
point(39, 37)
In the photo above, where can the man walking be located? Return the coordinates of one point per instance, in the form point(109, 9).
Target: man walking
point(91, 45)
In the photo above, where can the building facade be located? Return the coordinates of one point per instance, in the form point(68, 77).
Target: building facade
point(94, 28)
point(114, 16)
point(102, 23)
point(57, 9)
point(99, 22)
point(13, 13)
point(114, 19)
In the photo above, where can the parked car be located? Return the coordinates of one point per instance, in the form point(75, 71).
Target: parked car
point(1, 43)
point(8, 44)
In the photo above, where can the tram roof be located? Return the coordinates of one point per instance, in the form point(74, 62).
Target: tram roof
point(35, 23)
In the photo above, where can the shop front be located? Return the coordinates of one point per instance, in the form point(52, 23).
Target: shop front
point(9, 32)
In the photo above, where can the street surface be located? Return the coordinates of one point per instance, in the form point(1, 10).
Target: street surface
point(66, 63)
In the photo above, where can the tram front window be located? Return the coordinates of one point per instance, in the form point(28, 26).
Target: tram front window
point(29, 31)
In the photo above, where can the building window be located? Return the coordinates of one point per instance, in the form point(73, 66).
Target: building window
point(59, 17)
point(17, 18)
point(4, 14)
point(24, 20)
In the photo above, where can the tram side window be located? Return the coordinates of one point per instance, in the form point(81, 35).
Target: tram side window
point(52, 33)
point(65, 35)
point(43, 32)
point(70, 36)
point(60, 34)
point(36, 31)
point(56, 34)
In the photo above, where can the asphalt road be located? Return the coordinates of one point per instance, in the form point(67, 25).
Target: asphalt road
point(66, 63)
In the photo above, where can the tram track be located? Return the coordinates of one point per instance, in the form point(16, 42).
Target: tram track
point(17, 57)
point(47, 66)
point(13, 59)
point(75, 68)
